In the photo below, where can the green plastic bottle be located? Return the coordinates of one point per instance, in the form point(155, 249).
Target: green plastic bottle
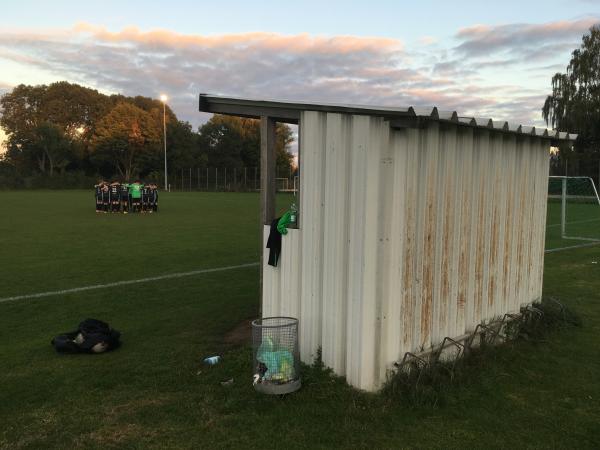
point(293, 214)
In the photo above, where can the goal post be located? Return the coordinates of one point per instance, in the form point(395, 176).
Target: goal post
point(287, 184)
point(574, 201)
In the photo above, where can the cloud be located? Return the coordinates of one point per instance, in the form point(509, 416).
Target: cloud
point(258, 64)
point(348, 69)
point(428, 40)
point(521, 39)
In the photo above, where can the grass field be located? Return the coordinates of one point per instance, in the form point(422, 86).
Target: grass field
point(154, 392)
point(582, 220)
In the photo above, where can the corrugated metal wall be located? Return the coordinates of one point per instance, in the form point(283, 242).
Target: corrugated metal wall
point(407, 236)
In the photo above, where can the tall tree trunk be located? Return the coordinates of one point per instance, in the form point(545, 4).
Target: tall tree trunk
point(121, 168)
point(42, 163)
point(51, 164)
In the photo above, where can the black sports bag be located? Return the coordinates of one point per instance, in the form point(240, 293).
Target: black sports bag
point(92, 336)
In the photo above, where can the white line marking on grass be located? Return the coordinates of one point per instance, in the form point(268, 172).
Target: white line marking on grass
point(573, 223)
point(126, 282)
point(560, 249)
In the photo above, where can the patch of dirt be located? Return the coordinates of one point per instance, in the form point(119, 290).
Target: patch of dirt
point(239, 335)
point(116, 434)
point(134, 405)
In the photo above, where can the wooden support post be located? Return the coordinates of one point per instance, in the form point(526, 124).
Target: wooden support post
point(267, 169)
point(267, 186)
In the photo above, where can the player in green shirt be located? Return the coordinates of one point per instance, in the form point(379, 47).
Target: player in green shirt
point(135, 189)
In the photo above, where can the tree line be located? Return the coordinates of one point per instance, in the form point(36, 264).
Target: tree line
point(64, 129)
point(574, 106)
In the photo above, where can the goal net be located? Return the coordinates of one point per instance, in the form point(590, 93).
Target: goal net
point(573, 208)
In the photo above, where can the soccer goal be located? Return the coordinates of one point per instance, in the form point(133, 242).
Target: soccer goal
point(574, 206)
point(287, 184)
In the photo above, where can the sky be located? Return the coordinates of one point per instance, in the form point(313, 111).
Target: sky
point(487, 59)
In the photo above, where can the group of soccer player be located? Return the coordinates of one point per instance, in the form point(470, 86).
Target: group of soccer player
point(126, 197)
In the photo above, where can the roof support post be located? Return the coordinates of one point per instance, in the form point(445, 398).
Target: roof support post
point(268, 187)
point(267, 169)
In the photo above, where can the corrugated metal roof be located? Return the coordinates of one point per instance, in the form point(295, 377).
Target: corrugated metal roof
point(286, 110)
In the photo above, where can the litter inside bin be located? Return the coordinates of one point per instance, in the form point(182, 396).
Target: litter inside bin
point(274, 365)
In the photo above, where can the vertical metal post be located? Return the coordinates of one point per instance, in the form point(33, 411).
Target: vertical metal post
point(225, 183)
point(165, 139)
point(216, 176)
point(190, 179)
point(198, 177)
point(246, 187)
point(563, 209)
point(181, 180)
point(207, 179)
point(234, 177)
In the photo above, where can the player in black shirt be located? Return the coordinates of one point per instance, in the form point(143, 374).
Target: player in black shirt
point(105, 197)
point(114, 194)
point(98, 195)
point(125, 197)
point(146, 198)
point(154, 197)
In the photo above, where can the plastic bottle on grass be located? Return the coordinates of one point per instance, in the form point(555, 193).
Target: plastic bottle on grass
point(212, 360)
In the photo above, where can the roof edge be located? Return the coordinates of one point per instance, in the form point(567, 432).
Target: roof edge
point(289, 112)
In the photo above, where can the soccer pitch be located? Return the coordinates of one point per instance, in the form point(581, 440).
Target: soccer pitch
point(154, 392)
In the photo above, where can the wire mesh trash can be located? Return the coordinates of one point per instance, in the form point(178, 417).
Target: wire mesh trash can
point(276, 356)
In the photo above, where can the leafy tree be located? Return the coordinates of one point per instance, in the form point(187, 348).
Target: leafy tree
point(284, 137)
point(125, 136)
point(49, 127)
point(21, 114)
point(75, 109)
point(64, 127)
point(235, 142)
point(43, 149)
point(574, 104)
point(182, 149)
point(51, 148)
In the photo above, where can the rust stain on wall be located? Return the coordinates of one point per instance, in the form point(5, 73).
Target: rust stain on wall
point(428, 261)
point(479, 255)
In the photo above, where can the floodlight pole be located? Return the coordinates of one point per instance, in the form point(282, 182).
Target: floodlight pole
point(165, 139)
point(563, 208)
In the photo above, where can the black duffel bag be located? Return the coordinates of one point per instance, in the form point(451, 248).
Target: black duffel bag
point(92, 336)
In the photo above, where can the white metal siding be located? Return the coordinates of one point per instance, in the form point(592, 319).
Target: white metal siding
point(313, 131)
point(407, 236)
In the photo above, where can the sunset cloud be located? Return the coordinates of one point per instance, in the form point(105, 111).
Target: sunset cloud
point(349, 69)
point(522, 38)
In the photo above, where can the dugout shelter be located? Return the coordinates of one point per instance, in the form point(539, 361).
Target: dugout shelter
point(415, 224)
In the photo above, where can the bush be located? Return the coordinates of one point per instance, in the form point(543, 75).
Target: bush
point(68, 180)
